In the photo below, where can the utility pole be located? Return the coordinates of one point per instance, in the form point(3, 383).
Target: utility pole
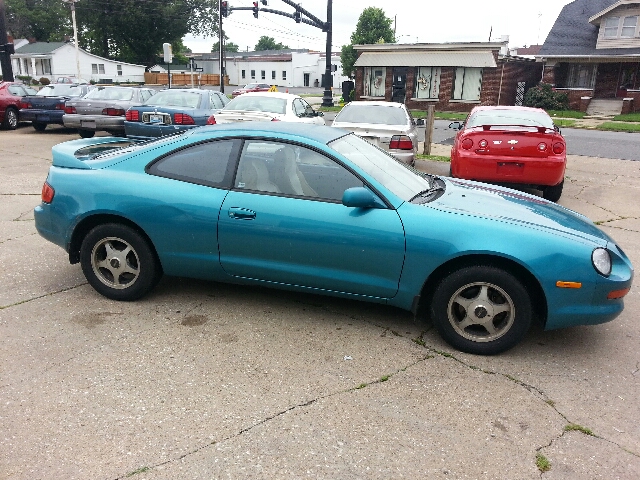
point(220, 46)
point(327, 98)
point(6, 48)
point(75, 34)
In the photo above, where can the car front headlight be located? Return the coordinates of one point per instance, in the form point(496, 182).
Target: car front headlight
point(601, 260)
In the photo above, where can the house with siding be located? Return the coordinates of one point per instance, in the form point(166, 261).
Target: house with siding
point(593, 54)
point(452, 76)
point(58, 59)
point(283, 68)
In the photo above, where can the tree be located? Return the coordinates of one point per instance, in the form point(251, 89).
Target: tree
point(134, 31)
point(373, 27)
point(228, 46)
point(44, 20)
point(269, 43)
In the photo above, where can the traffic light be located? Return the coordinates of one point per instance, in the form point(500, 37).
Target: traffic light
point(255, 9)
point(296, 16)
point(224, 9)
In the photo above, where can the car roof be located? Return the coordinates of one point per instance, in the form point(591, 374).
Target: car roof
point(377, 103)
point(271, 94)
point(304, 131)
point(507, 107)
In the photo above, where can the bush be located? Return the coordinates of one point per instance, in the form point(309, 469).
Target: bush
point(24, 78)
point(543, 96)
point(45, 81)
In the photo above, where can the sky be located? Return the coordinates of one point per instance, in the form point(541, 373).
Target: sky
point(526, 22)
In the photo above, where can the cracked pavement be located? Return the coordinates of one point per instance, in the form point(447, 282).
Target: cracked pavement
point(203, 380)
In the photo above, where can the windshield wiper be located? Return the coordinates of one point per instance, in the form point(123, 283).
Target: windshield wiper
point(427, 193)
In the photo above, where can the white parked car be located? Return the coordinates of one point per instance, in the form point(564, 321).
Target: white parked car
point(388, 125)
point(268, 106)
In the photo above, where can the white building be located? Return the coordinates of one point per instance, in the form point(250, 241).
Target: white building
point(284, 68)
point(58, 59)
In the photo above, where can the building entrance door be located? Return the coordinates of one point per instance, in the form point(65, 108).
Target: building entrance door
point(399, 84)
point(306, 79)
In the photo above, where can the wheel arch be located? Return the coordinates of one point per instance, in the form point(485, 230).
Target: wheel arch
point(87, 224)
point(531, 283)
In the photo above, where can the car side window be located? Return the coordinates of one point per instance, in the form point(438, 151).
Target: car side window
point(16, 90)
point(224, 99)
point(298, 108)
point(211, 164)
point(308, 109)
point(215, 101)
point(292, 170)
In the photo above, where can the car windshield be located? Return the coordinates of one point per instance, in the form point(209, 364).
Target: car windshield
point(372, 114)
point(59, 91)
point(529, 118)
point(175, 98)
point(255, 103)
point(110, 93)
point(400, 179)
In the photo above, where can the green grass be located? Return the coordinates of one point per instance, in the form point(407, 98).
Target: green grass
point(573, 427)
point(565, 113)
point(619, 127)
point(561, 122)
point(629, 117)
point(329, 109)
point(543, 463)
point(436, 158)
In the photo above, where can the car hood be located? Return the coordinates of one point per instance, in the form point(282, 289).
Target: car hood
point(504, 204)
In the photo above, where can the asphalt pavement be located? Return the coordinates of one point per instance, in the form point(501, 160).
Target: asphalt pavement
point(201, 380)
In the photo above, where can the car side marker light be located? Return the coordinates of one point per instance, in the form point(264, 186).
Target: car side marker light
point(615, 294)
point(561, 284)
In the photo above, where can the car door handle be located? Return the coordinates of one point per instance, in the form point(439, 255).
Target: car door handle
point(241, 213)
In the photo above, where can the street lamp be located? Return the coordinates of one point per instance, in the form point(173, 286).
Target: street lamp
point(75, 35)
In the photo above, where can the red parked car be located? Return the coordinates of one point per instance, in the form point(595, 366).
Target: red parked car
point(510, 145)
point(251, 87)
point(10, 96)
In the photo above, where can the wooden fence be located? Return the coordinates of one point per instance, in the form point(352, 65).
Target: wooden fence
point(184, 79)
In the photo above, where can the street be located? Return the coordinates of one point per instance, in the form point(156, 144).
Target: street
point(206, 380)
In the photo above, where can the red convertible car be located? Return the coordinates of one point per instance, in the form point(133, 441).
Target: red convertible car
point(510, 145)
point(251, 87)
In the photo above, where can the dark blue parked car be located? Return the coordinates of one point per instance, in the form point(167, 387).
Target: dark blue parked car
point(318, 209)
point(172, 111)
point(47, 106)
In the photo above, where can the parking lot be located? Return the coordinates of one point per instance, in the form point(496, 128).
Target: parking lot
point(206, 380)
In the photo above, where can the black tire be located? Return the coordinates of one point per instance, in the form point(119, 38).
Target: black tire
point(450, 171)
point(499, 304)
point(10, 121)
point(118, 262)
point(86, 133)
point(40, 127)
point(553, 193)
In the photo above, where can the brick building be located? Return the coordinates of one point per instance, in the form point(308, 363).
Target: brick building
point(452, 76)
point(593, 53)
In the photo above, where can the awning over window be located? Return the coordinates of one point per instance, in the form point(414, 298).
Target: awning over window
point(479, 59)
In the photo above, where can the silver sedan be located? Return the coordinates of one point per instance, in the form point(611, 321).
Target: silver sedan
point(387, 125)
point(103, 109)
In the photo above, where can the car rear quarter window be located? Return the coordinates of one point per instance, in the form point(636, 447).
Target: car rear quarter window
point(211, 164)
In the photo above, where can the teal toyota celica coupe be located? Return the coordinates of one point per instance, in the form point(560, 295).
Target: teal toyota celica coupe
point(318, 209)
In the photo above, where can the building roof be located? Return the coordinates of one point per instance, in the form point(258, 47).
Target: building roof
point(40, 47)
point(598, 16)
point(573, 35)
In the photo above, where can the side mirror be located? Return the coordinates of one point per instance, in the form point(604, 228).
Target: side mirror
point(420, 122)
point(319, 114)
point(456, 125)
point(361, 197)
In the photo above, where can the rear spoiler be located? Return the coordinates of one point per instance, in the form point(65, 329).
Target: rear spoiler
point(540, 128)
point(75, 153)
